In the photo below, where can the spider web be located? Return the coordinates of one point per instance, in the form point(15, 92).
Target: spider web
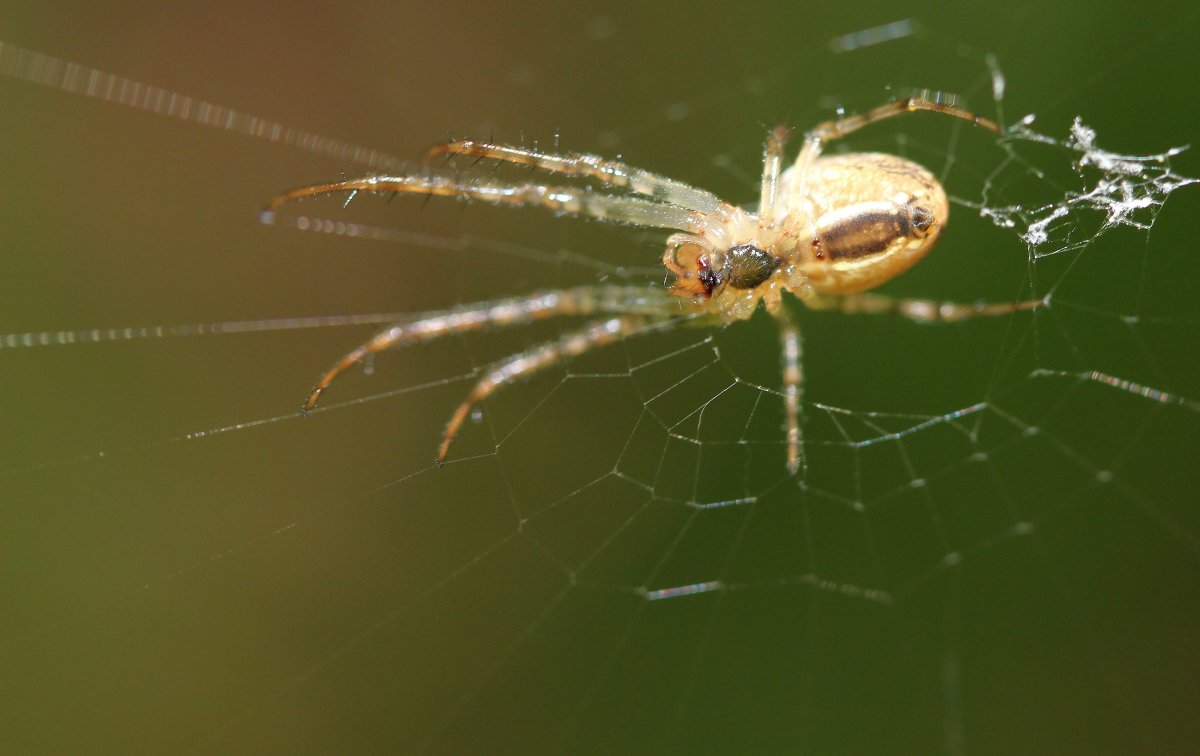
point(991, 547)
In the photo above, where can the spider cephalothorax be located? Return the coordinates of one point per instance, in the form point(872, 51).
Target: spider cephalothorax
point(826, 230)
point(701, 272)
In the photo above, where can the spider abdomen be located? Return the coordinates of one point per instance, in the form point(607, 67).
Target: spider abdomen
point(873, 217)
point(867, 229)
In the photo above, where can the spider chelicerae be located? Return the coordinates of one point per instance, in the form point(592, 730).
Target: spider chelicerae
point(826, 230)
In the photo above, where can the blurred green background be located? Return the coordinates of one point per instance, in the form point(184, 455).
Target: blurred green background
point(316, 585)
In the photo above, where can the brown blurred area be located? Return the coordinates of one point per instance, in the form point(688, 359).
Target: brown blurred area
point(316, 585)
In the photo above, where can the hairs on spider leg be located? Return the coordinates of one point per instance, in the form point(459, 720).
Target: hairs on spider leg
point(912, 227)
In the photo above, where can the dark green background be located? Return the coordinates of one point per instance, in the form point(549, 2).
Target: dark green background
point(316, 586)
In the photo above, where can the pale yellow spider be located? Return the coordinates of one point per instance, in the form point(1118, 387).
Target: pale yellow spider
point(827, 229)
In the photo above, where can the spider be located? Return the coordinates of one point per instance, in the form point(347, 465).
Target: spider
point(826, 230)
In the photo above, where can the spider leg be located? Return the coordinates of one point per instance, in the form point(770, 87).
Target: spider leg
point(584, 300)
point(611, 172)
point(595, 334)
point(840, 127)
point(563, 200)
point(793, 388)
point(923, 310)
point(815, 139)
point(772, 165)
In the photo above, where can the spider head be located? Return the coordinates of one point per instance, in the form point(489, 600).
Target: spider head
point(701, 270)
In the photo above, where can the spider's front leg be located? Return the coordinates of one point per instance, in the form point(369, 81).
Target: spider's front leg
point(817, 137)
point(580, 301)
point(840, 127)
point(511, 369)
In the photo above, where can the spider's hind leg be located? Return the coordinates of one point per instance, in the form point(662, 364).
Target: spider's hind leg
point(610, 172)
point(924, 310)
point(793, 388)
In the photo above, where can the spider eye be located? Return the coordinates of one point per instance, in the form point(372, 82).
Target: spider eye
point(748, 266)
point(709, 277)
